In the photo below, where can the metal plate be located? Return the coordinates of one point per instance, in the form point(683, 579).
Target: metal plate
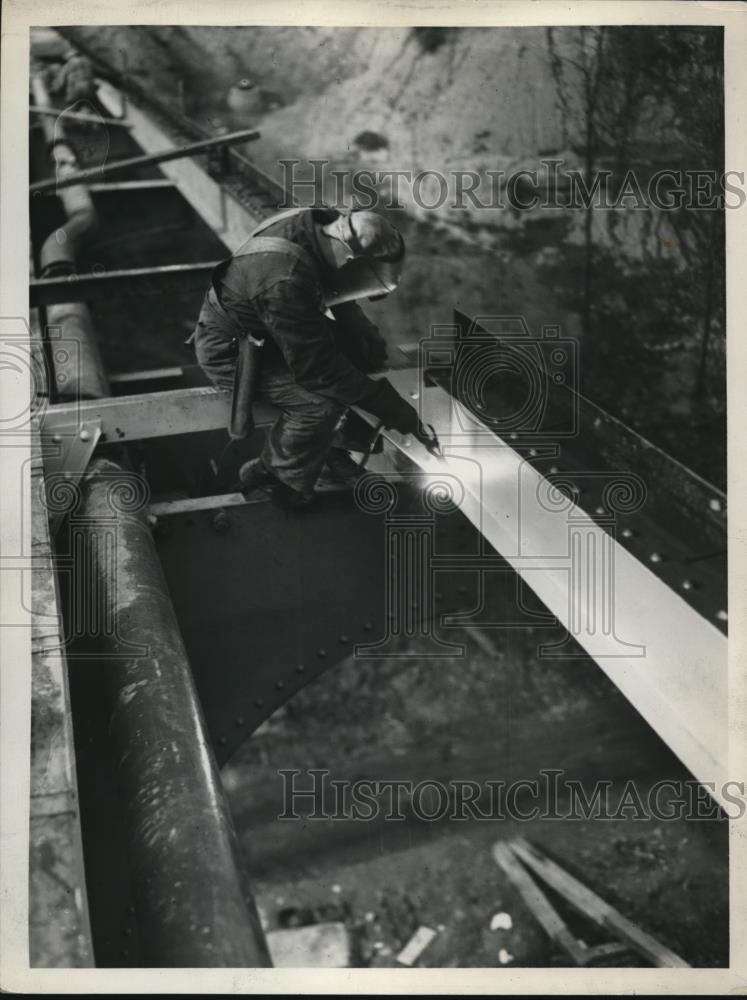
point(668, 660)
point(272, 600)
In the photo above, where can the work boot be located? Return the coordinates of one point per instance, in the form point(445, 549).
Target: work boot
point(254, 475)
point(340, 473)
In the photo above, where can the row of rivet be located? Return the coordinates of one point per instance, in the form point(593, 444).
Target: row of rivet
point(280, 685)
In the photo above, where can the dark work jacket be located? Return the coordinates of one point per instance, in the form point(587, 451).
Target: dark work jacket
point(278, 297)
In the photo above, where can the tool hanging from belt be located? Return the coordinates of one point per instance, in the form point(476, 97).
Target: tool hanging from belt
point(249, 356)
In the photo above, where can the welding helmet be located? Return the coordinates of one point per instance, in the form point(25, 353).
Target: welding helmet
point(375, 268)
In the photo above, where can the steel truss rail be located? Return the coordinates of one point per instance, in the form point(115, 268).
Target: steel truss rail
point(150, 159)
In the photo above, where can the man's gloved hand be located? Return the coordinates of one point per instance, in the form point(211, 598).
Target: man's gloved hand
point(393, 411)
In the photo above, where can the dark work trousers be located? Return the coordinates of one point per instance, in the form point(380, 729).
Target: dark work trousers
point(298, 442)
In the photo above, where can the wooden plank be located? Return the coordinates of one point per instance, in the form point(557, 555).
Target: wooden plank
point(536, 901)
point(595, 908)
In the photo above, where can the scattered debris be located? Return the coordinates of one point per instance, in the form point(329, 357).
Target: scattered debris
point(416, 945)
point(319, 946)
point(295, 916)
point(501, 922)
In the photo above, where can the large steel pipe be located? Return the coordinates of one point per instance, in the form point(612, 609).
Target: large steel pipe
point(79, 371)
point(190, 905)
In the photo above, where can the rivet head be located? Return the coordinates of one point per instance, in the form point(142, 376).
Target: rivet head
point(722, 615)
point(461, 590)
point(655, 557)
point(300, 668)
point(223, 741)
point(599, 510)
point(368, 627)
point(85, 435)
point(628, 533)
point(57, 438)
point(532, 452)
point(714, 504)
point(240, 721)
point(513, 436)
point(280, 685)
point(259, 702)
point(439, 595)
point(321, 653)
point(553, 470)
point(344, 639)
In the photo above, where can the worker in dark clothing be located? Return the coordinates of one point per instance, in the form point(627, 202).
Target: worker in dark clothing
point(73, 81)
point(279, 323)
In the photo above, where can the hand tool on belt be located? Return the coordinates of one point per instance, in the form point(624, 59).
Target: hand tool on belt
point(249, 355)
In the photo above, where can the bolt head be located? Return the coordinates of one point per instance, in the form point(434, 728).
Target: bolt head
point(85, 435)
point(628, 533)
point(714, 504)
point(655, 557)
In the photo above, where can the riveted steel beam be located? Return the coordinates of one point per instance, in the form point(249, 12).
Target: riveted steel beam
point(667, 658)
